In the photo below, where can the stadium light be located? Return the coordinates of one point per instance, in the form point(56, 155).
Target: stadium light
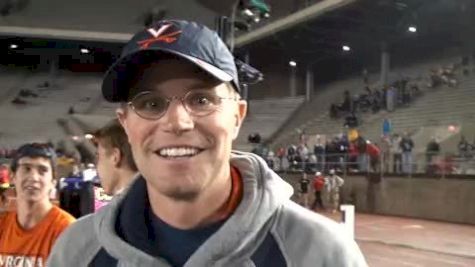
point(13, 46)
point(293, 63)
point(260, 5)
point(412, 29)
point(248, 12)
point(254, 9)
point(346, 48)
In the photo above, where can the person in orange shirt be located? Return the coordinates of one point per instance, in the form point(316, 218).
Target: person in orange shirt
point(27, 234)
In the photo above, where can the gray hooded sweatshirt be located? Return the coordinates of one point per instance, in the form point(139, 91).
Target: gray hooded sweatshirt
point(266, 229)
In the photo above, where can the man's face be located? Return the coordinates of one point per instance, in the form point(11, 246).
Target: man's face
point(106, 164)
point(33, 179)
point(180, 154)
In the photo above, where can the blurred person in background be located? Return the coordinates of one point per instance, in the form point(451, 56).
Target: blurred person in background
point(115, 164)
point(4, 186)
point(432, 150)
point(463, 147)
point(407, 145)
point(318, 185)
point(333, 183)
point(304, 184)
point(396, 153)
point(319, 151)
point(28, 233)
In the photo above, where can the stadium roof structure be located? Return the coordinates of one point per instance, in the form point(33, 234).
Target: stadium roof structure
point(409, 29)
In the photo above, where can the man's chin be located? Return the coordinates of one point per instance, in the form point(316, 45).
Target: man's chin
point(182, 195)
point(33, 200)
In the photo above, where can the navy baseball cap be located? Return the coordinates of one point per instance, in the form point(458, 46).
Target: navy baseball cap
point(186, 40)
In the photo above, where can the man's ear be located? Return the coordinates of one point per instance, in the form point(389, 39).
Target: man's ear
point(239, 117)
point(121, 114)
point(116, 157)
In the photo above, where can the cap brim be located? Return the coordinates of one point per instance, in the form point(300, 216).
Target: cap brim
point(118, 75)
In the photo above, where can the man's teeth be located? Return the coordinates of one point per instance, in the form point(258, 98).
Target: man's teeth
point(178, 152)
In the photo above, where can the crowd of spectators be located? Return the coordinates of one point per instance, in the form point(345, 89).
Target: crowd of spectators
point(465, 149)
point(393, 153)
point(398, 94)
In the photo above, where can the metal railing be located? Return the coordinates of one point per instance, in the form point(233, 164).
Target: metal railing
point(436, 165)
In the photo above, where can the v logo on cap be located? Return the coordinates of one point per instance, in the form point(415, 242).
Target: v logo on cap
point(166, 33)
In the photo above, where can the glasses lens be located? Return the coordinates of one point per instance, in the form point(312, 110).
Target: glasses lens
point(149, 105)
point(201, 102)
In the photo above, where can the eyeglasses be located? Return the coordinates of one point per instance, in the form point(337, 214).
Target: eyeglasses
point(152, 106)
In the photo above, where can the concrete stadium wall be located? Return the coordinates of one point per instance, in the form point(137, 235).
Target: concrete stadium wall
point(449, 200)
point(277, 74)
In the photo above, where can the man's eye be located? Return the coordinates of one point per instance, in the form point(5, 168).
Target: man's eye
point(150, 104)
point(200, 100)
point(203, 100)
point(42, 170)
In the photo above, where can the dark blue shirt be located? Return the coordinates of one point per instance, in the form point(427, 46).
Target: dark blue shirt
point(176, 245)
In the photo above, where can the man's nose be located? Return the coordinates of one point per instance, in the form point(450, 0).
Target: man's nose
point(177, 119)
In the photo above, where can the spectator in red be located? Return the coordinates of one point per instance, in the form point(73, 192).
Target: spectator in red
point(318, 184)
point(374, 154)
point(4, 184)
point(280, 156)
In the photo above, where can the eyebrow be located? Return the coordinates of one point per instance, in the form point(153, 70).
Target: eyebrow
point(199, 85)
point(27, 164)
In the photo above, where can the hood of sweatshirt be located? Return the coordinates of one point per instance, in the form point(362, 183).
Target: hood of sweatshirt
point(264, 192)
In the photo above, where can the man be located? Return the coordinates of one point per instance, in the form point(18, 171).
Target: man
point(463, 147)
point(333, 183)
point(304, 182)
point(115, 165)
point(4, 186)
point(406, 146)
point(374, 154)
point(396, 152)
point(319, 151)
point(196, 203)
point(27, 235)
point(318, 184)
point(432, 150)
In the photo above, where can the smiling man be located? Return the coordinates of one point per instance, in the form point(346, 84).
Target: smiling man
point(196, 202)
point(27, 235)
